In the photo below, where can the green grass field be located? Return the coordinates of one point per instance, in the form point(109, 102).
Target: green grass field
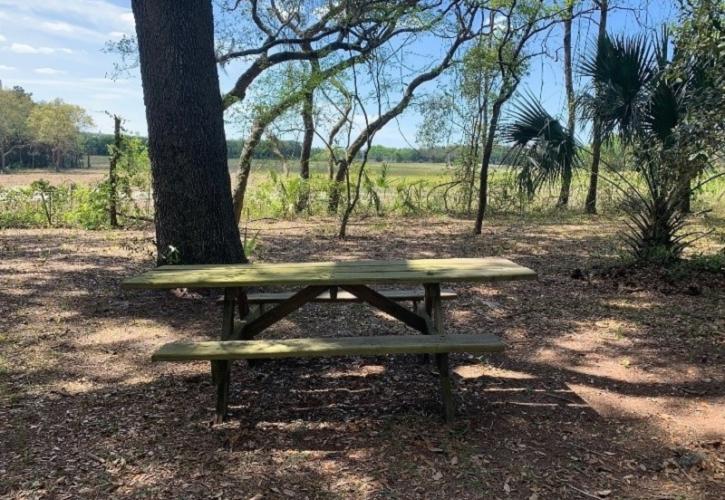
point(407, 189)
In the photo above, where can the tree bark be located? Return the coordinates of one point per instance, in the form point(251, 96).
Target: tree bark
point(245, 165)
point(570, 102)
point(590, 205)
point(333, 134)
point(485, 164)
point(309, 133)
point(275, 146)
point(193, 214)
point(112, 181)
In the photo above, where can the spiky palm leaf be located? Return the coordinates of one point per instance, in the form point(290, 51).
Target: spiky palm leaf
point(542, 146)
point(621, 70)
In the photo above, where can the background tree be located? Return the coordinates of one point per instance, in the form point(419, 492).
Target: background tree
point(517, 23)
point(463, 19)
point(568, 19)
point(193, 208)
point(590, 204)
point(15, 108)
point(58, 125)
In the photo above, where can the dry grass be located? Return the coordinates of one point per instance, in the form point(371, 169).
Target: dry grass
point(612, 384)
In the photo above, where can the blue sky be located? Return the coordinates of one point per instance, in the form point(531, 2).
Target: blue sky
point(53, 48)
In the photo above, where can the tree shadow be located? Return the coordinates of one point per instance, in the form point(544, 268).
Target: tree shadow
point(86, 409)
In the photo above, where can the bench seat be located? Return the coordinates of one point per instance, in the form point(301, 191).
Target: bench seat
point(343, 296)
point(319, 347)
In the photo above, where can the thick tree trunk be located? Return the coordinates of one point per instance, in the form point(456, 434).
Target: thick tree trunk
point(485, 164)
point(309, 133)
point(192, 192)
point(2, 160)
point(570, 103)
point(590, 205)
point(112, 181)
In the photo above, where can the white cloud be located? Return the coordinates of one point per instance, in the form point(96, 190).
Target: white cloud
point(49, 71)
point(117, 35)
point(75, 19)
point(6, 68)
point(3, 39)
point(59, 26)
point(22, 48)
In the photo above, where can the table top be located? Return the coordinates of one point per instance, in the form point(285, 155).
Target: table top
point(365, 272)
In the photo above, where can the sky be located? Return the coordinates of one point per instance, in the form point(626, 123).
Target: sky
point(54, 49)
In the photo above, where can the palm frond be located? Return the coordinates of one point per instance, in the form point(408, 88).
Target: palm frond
point(621, 69)
point(548, 147)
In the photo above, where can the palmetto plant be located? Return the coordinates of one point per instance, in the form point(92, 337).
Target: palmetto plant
point(640, 102)
point(543, 148)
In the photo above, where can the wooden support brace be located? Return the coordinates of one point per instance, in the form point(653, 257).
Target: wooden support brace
point(268, 318)
point(388, 306)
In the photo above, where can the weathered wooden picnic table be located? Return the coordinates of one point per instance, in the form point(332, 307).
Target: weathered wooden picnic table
point(320, 282)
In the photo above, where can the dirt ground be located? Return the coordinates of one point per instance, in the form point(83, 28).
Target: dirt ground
point(80, 176)
point(612, 385)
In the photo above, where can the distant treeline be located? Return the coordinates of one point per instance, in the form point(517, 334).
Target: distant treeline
point(97, 144)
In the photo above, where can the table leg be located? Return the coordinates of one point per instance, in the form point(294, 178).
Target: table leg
point(446, 386)
point(433, 307)
point(221, 370)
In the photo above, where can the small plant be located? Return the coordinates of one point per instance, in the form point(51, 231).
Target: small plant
point(170, 256)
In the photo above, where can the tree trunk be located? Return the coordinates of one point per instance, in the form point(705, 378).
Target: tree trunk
point(485, 162)
point(333, 134)
point(333, 201)
point(590, 205)
point(309, 125)
point(570, 102)
point(685, 193)
point(112, 181)
point(277, 151)
point(2, 160)
point(245, 166)
point(193, 208)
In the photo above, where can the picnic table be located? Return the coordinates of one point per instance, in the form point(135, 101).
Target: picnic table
point(324, 282)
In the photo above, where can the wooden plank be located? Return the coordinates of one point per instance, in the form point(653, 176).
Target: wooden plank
point(274, 297)
point(333, 273)
point(352, 264)
point(321, 347)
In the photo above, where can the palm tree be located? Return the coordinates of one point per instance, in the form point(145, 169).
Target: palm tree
point(638, 101)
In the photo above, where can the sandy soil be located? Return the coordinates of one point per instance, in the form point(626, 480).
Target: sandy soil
point(78, 176)
point(612, 386)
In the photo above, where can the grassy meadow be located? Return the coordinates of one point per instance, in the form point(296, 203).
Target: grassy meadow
point(73, 198)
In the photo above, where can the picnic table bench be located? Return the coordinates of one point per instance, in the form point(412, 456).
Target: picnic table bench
point(329, 282)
